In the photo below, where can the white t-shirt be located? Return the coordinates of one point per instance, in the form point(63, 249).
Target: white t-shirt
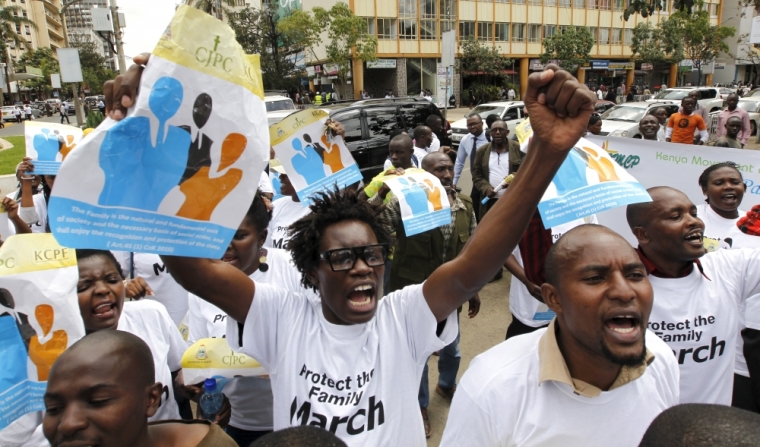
point(511, 94)
point(166, 291)
point(358, 381)
point(38, 222)
point(285, 211)
point(699, 319)
point(498, 169)
point(499, 402)
point(250, 397)
point(435, 145)
point(25, 431)
point(717, 235)
point(149, 321)
point(530, 311)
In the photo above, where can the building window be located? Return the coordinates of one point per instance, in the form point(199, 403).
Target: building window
point(617, 36)
point(448, 9)
point(407, 29)
point(580, 4)
point(466, 29)
point(619, 5)
point(550, 30)
point(502, 32)
point(594, 33)
point(502, 1)
point(518, 2)
point(386, 28)
point(534, 33)
point(428, 29)
point(628, 36)
point(428, 9)
point(565, 3)
point(371, 29)
point(447, 25)
point(605, 4)
point(518, 32)
point(28, 30)
point(604, 36)
point(534, 2)
point(407, 9)
point(485, 31)
point(23, 13)
point(714, 9)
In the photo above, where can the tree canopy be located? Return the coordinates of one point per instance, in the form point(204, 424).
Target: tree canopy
point(571, 48)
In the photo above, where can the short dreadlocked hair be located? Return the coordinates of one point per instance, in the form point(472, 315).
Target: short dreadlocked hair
point(328, 208)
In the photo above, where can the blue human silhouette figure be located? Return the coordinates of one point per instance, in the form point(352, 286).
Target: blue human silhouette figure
point(572, 173)
point(415, 197)
point(46, 144)
point(276, 184)
point(307, 162)
point(139, 174)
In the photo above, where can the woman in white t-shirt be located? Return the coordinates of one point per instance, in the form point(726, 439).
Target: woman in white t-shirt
point(101, 303)
point(723, 187)
point(250, 397)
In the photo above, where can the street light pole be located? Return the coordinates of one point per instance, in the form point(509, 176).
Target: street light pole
point(118, 34)
point(75, 85)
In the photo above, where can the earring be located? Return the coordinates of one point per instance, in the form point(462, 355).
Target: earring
point(263, 267)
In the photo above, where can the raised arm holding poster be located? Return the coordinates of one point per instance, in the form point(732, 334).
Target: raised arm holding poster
point(423, 201)
point(313, 157)
point(174, 175)
point(39, 318)
point(48, 144)
point(587, 183)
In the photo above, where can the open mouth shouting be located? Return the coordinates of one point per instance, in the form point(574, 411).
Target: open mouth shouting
point(104, 311)
point(361, 298)
point(624, 325)
point(694, 238)
point(730, 199)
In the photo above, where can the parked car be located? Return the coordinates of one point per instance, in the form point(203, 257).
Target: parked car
point(602, 105)
point(369, 124)
point(512, 112)
point(8, 113)
point(623, 120)
point(278, 107)
point(713, 98)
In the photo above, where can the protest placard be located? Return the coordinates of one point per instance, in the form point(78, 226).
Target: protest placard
point(423, 201)
point(213, 357)
point(39, 318)
point(314, 160)
point(48, 144)
point(656, 163)
point(588, 182)
point(177, 175)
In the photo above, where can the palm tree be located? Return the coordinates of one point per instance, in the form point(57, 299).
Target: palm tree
point(11, 18)
point(216, 8)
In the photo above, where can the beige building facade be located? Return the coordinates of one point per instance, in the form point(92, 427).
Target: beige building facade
point(409, 38)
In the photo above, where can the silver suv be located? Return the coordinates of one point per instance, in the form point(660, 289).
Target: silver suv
point(712, 98)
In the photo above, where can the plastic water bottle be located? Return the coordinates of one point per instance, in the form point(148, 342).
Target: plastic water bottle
point(211, 400)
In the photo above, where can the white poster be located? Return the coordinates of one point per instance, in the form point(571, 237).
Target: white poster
point(679, 166)
point(423, 201)
point(48, 144)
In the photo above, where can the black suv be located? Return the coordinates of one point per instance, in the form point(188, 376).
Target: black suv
point(369, 123)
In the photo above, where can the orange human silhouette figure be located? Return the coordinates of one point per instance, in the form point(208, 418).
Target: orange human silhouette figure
point(434, 195)
point(43, 355)
point(202, 193)
point(332, 158)
point(603, 166)
point(67, 146)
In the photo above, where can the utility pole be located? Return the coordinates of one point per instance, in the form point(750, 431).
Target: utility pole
point(118, 34)
point(75, 85)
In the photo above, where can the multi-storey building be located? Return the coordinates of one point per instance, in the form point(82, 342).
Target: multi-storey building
point(409, 38)
point(79, 25)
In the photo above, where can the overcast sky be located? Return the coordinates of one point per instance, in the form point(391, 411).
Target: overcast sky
point(146, 20)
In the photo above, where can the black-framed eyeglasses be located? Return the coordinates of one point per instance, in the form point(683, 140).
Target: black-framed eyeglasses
point(343, 259)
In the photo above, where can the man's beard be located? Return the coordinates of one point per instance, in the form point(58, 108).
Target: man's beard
point(630, 360)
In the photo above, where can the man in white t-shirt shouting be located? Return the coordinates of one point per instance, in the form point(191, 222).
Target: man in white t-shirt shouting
point(698, 296)
point(594, 377)
point(350, 362)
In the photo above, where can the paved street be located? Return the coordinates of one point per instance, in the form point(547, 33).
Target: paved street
point(13, 129)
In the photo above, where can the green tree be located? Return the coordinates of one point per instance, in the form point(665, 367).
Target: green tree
point(656, 44)
point(647, 7)
point(482, 62)
point(702, 42)
point(347, 37)
point(572, 48)
point(749, 55)
point(94, 69)
point(45, 60)
point(256, 31)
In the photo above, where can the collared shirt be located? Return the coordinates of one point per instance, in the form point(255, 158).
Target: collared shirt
point(723, 119)
point(653, 270)
point(552, 366)
point(467, 149)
